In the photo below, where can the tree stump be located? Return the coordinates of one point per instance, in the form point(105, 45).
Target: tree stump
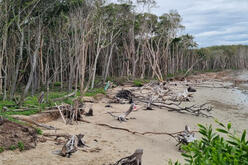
point(72, 144)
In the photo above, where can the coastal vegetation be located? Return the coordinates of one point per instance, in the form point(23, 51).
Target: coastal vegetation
point(55, 51)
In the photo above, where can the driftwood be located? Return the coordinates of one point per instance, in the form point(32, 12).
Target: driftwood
point(61, 114)
point(90, 113)
point(119, 128)
point(149, 103)
point(66, 136)
point(125, 94)
point(36, 123)
point(123, 117)
point(176, 135)
point(70, 113)
point(134, 159)
point(71, 145)
point(196, 110)
point(185, 137)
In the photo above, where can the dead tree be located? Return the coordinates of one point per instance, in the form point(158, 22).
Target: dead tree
point(185, 137)
point(71, 145)
point(134, 159)
point(123, 117)
point(71, 113)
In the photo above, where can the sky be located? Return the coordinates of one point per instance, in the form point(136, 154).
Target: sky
point(211, 22)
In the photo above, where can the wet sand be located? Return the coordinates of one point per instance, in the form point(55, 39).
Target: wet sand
point(230, 105)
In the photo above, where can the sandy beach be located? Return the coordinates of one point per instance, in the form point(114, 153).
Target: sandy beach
point(230, 105)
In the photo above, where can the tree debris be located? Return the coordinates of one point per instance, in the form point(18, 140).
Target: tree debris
point(134, 159)
point(123, 117)
point(90, 113)
point(190, 89)
point(71, 145)
point(70, 113)
point(125, 94)
point(185, 137)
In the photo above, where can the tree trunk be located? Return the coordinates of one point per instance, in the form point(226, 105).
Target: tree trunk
point(34, 64)
point(13, 87)
point(109, 59)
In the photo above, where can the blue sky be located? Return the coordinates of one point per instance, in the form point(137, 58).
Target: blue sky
point(211, 22)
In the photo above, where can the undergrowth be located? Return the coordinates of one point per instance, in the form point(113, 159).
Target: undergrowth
point(215, 149)
point(1, 149)
point(20, 145)
point(12, 147)
point(32, 105)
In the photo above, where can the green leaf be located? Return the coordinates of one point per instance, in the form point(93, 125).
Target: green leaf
point(222, 130)
point(229, 125)
point(243, 136)
point(186, 155)
point(232, 142)
point(222, 125)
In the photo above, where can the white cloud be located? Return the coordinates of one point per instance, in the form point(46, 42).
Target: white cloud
point(211, 22)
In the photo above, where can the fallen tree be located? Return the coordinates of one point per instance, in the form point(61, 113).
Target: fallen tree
point(123, 117)
point(196, 110)
point(175, 135)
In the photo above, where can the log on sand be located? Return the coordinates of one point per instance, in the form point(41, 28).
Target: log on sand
point(123, 117)
point(134, 159)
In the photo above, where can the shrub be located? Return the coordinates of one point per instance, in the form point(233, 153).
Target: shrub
point(95, 91)
point(39, 131)
point(214, 149)
point(138, 83)
point(12, 147)
point(1, 149)
point(20, 145)
point(57, 84)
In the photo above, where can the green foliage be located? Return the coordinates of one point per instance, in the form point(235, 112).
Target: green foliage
point(39, 131)
point(1, 149)
point(140, 82)
point(20, 145)
point(57, 84)
point(32, 104)
point(12, 147)
point(5, 103)
point(170, 75)
point(214, 149)
point(95, 91)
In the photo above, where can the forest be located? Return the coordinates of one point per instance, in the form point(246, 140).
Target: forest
point(78, 43)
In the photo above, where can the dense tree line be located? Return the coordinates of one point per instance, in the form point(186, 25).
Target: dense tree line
point(75, 42)
point(224, 57)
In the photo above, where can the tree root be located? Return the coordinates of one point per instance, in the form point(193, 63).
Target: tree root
point(175, 135)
